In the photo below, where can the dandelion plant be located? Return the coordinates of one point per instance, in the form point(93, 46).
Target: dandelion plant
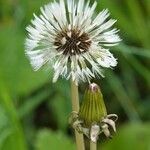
point(68, 37)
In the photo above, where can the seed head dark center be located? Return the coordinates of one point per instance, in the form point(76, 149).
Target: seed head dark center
point(72, 42)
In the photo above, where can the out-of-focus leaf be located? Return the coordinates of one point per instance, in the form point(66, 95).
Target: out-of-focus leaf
point(31, 103)
point(123, 20)
point(139, 67)
point(62, 111)
point(139, 22)
point(119, 91)
point(61, 104)
point(15, 70)
point(49, 140)
point(130, 137)
point(5, 127)
point(123, 48)
point(13, 133)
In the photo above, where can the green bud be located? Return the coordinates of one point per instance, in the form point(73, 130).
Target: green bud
point(93, 108)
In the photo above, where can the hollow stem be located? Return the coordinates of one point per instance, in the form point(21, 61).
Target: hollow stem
point(93, 146)
point(75, 107)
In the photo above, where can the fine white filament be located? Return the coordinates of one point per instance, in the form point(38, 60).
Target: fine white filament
point(66, 21)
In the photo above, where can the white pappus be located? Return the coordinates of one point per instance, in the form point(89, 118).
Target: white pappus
point(68, 36)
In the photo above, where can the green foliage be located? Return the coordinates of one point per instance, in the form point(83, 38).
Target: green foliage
point(5, 127)
point(11, 130)
point(15, 69)
point(23, 92)
point(47, 139)
point(129, 137)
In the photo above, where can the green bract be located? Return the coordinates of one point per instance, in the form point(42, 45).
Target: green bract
point(92, 108)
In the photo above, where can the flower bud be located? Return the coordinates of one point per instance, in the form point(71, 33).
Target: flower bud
point(93, 108)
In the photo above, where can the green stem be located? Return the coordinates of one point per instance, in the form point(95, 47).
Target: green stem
point(93, 146)
point(75, 107)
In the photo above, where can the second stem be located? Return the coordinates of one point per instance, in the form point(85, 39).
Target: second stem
point(93, 146)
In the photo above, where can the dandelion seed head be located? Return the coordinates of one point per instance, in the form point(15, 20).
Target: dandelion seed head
point(76, 43)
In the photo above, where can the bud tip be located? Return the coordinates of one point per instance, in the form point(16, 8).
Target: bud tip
point(94, 87)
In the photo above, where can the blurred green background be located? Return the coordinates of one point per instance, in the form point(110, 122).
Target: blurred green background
point(34, 111)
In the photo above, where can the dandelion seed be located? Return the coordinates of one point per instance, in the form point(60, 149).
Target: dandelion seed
point(63, 41)
point(67, 35)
